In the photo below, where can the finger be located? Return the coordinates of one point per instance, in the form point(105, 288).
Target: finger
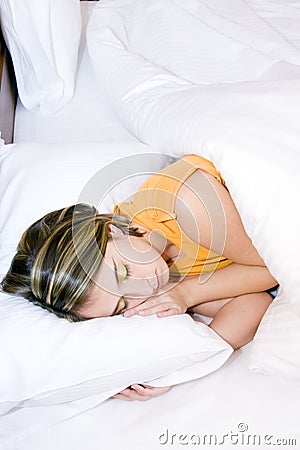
point(135, 392)
point(144, 393)
point(152, 391)
point(158, 390)
point(143, 390)
point(140, 396)
point(162, 310)
point(124, 393)
point(169, 312)
point(130, 397)
point(132, 311)
point(155, 309)
point(122, 397)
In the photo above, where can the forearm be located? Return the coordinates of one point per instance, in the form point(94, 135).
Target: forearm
point(238, 320)
point(230, 281)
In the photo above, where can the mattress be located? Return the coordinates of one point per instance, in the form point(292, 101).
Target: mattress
point(89, 116)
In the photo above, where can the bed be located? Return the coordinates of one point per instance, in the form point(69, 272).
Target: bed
point(249, 397)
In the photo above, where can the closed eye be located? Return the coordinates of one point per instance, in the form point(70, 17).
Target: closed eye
point(124, 272)
point(121, 305)
point(128, 271)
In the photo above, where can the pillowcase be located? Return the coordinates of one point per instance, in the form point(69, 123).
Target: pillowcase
point(43, 39)
point(46, 360)
point(276, 347)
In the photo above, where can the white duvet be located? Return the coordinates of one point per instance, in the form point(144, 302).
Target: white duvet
point(221, 79)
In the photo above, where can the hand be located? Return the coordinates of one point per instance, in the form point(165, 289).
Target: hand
point(140, 392)
point(168, 304)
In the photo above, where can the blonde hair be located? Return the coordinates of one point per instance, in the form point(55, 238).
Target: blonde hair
point(58, 256)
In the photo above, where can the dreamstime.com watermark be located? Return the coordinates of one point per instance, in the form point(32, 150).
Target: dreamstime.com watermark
point(240, 436)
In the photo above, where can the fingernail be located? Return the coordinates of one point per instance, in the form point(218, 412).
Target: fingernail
point(137, 387)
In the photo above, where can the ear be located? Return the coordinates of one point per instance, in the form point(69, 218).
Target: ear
point(114, 231)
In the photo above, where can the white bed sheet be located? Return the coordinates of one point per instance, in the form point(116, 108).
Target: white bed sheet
point(89, 116)
point(232, 400)
point(245, 120)
point(228, 401)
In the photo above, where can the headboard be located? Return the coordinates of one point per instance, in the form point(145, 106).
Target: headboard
point(8, 92)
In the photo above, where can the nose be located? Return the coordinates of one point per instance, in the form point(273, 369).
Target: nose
point(140, 287)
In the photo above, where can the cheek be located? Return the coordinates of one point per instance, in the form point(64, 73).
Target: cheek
point(148, 267)
point(94, 309)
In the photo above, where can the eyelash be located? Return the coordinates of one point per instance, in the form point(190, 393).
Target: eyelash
point(125, 304)
point(128, 271)
point(122, 309)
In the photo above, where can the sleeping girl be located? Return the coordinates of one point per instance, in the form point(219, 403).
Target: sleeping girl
point(178, 247)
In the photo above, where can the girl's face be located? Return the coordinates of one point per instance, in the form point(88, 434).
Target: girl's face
point(132, 271)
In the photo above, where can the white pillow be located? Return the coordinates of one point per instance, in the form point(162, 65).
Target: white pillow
point(276, 347)
point(43, 38)
point(46, 360)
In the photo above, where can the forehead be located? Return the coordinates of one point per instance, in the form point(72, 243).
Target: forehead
point(132, 249)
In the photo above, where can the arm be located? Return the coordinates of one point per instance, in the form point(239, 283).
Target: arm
point(208, 215)
point(237, 321)
point(230, 281)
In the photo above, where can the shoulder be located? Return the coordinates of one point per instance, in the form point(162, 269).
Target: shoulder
point(199, 209)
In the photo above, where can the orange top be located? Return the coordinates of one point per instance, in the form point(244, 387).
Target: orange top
point(153, 208)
